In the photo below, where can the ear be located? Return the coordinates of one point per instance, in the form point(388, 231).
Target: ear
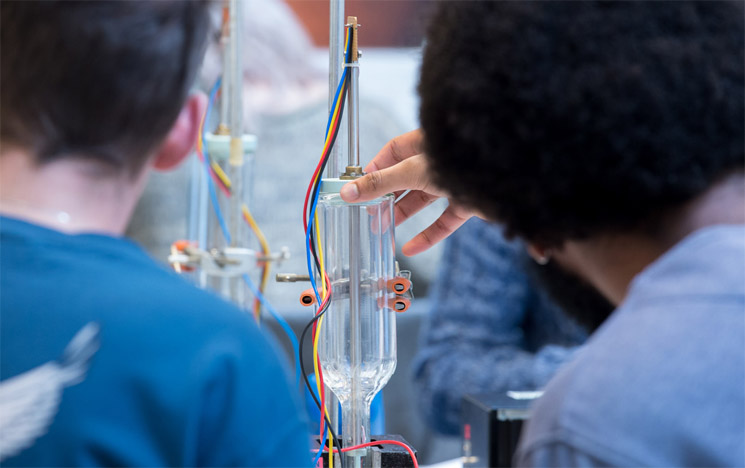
point(539, 253)
point(183, 135)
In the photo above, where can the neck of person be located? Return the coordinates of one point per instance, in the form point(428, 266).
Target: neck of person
point(610, 262)
point(72, 195)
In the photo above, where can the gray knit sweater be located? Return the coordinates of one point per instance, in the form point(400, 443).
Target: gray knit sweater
point(489, 330)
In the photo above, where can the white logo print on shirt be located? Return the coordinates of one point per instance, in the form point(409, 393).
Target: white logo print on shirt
point(29, 401)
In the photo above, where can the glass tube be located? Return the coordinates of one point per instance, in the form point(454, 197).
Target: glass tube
point(357, 346)
point(233, 289)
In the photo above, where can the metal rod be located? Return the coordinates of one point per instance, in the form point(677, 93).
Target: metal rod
point(336, 56)
point(354, 116)
point(353, 111)
point(236, 70)
point(236, 172)
point(226, 85)
point(235, 123)
point(355, 322)
point(357, 412)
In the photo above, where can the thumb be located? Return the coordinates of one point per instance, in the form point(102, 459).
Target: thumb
point(409, 174)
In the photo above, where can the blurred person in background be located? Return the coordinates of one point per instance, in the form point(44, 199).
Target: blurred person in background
point(107, 358)
point(493, 327)
point(285, 102)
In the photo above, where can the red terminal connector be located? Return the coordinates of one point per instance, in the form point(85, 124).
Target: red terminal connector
point(178, 247)
point(399, 285)
point(308, 297)
point(399, 304)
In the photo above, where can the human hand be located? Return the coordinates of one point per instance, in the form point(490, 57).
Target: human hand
point(398, 167)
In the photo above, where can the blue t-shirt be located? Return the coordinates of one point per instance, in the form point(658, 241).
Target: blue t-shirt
point(662, 381)
point(159, 373)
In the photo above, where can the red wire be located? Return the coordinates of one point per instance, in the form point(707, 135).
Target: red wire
point(316, 175)
point(318, 358)
point(323, 406)
point(320, 379)
point(307, 193)
point(220, 185)
point(217, 180)
point(383, 442)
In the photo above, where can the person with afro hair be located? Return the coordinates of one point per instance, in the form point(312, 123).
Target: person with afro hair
point(610, 137)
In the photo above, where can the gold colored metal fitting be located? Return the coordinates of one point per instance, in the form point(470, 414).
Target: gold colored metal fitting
point(352, 21)
point(352, 172)
point(222, 129)
point(236, 152)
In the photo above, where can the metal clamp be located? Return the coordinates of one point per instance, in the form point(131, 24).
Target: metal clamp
point(226, 263)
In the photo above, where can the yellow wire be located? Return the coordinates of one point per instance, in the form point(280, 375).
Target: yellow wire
point(220, 174)
point(264, 248)
point(318, 387)
point(215, 167)
point(324, 293)
point(315, 220)
point(338, 103)
point(255, 227)
point(200, 144)
point(262, 288)
point(320, 259)
point(335, 112)
point(324, 290)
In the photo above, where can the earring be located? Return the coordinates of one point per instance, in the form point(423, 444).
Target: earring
point(544, 258)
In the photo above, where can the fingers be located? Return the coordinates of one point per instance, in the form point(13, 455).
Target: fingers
point(450, 220)
point(411, 204)
point(408, 174)
point(381, 218)
point(396, 150)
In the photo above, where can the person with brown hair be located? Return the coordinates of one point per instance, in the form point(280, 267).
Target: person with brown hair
point(106, 358)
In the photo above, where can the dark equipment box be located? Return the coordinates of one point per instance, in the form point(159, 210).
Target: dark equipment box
point(491, 427)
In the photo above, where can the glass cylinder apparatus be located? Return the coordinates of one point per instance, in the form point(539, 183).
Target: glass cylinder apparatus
point(357, 343)
point(219, 148)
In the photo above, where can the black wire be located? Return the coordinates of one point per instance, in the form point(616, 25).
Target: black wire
point(334, 136)
point(311, 227)
point(342, 96)
point(337, 442)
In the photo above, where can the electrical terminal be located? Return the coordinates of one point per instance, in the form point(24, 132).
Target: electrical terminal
point(406, 288)
point(308, 298)
point(399, 285)
point(397, 303)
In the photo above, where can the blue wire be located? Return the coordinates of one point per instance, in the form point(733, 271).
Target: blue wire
point(336, 99)
point(307, 239)
point(218, 212)
point(210, 182)
point(307, 250)
point(307, 242)
point(282, 322)
point(314, 200)
point(323, 444)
